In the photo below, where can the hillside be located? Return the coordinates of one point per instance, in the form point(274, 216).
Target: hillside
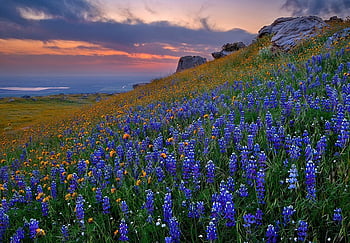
point(251, 147)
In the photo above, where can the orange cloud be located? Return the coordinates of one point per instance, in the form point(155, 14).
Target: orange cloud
point(68, 48)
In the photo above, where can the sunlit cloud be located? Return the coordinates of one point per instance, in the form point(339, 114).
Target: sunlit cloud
point(68, 48)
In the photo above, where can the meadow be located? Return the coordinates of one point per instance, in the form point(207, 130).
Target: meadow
point(253, 147)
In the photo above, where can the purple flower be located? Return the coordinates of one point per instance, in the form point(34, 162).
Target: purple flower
point(18, 236)
point(233, 164)
point(4, 222)
point(174, 230)
point(292, 179)
point(243, 191)
point(229, 214)
point(79, 209)
point(310, 180)
point(302, 230)
point(210, 167)
point(124, 207)
point(123, 229)
point(149, 205)
point(288, 213)
point(45, 208)
point(211, 230)
point(271, 234)
point(337, 216)
point(260, 186)
point(65, 233)
point(167, 207)
point(33, 226)
point(248, 219)
point(99, 195)
point(106, 205)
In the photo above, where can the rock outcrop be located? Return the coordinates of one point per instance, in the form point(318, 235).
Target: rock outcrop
point(187, 62)
point(288, 32)
point(228, 49)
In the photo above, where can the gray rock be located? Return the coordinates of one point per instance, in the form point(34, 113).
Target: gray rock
point(288, 32)
point(187, 62)
point(228, 48)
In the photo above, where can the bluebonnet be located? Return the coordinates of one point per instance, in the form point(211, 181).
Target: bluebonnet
point(33, 226)
point(4, 222)
point(243, 191)
point(160, 174)
point(211, 231)
point(229, 214)
point(292, 179)
point(65, 233)
point(124, 207)
point(271, 234)
point(196, 209)
point(260, 186)
point(167, 207)
point(98, 195)
point(287, 213)
point(106, 205)
point(45, 208)
point(258, 216)
point(337, 215)
point(123, 229)
point(149, 204)
point(174, 230)
point(79, 209)
point(18, 236)
point(302, 230)
point(210, 167)
point(310, 180)
point(233, 164)
point(54, 189)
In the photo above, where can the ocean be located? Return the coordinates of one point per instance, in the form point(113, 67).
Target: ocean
point(18, 86)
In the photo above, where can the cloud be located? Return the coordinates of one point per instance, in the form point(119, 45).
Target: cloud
point(318, 7)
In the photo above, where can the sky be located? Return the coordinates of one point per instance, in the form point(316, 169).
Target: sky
point(135, 37)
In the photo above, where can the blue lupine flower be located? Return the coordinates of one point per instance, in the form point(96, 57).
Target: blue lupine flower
point(123, 229)
point(106, 205)
point(29, 194)
point(167, 207)
point(292, 180)
point(216, 210)
point(248, 219)
point(222, 145)
point(18, 236)
point(45, 208)
point(243, 191)
point(310, 177)
point(258, 216)
point(288, 213)
point(233, 164)
point(211, 231)
point(260, 186)
point(230, 184)
point(99, 195)
point(65, 233)
point(174, 230)
point(302, 230)
point(4, 222)
point(149, 204)
point(33, 226)
point(229, 214)
point(271, 234)
point(337, 216)
point(124, 207)
point(54, 189)
point(79, 209)
point(160, 174)
point(210, 167)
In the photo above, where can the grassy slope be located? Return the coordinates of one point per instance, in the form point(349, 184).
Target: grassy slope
point(86, 129)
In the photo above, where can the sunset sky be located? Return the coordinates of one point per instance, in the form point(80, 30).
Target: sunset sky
point(120, 37)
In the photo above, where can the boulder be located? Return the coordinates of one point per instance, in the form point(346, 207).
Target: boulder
point(288, 32)
point(228, 48)
point(187, 62)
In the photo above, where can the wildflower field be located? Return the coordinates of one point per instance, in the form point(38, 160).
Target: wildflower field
point(253, 147)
